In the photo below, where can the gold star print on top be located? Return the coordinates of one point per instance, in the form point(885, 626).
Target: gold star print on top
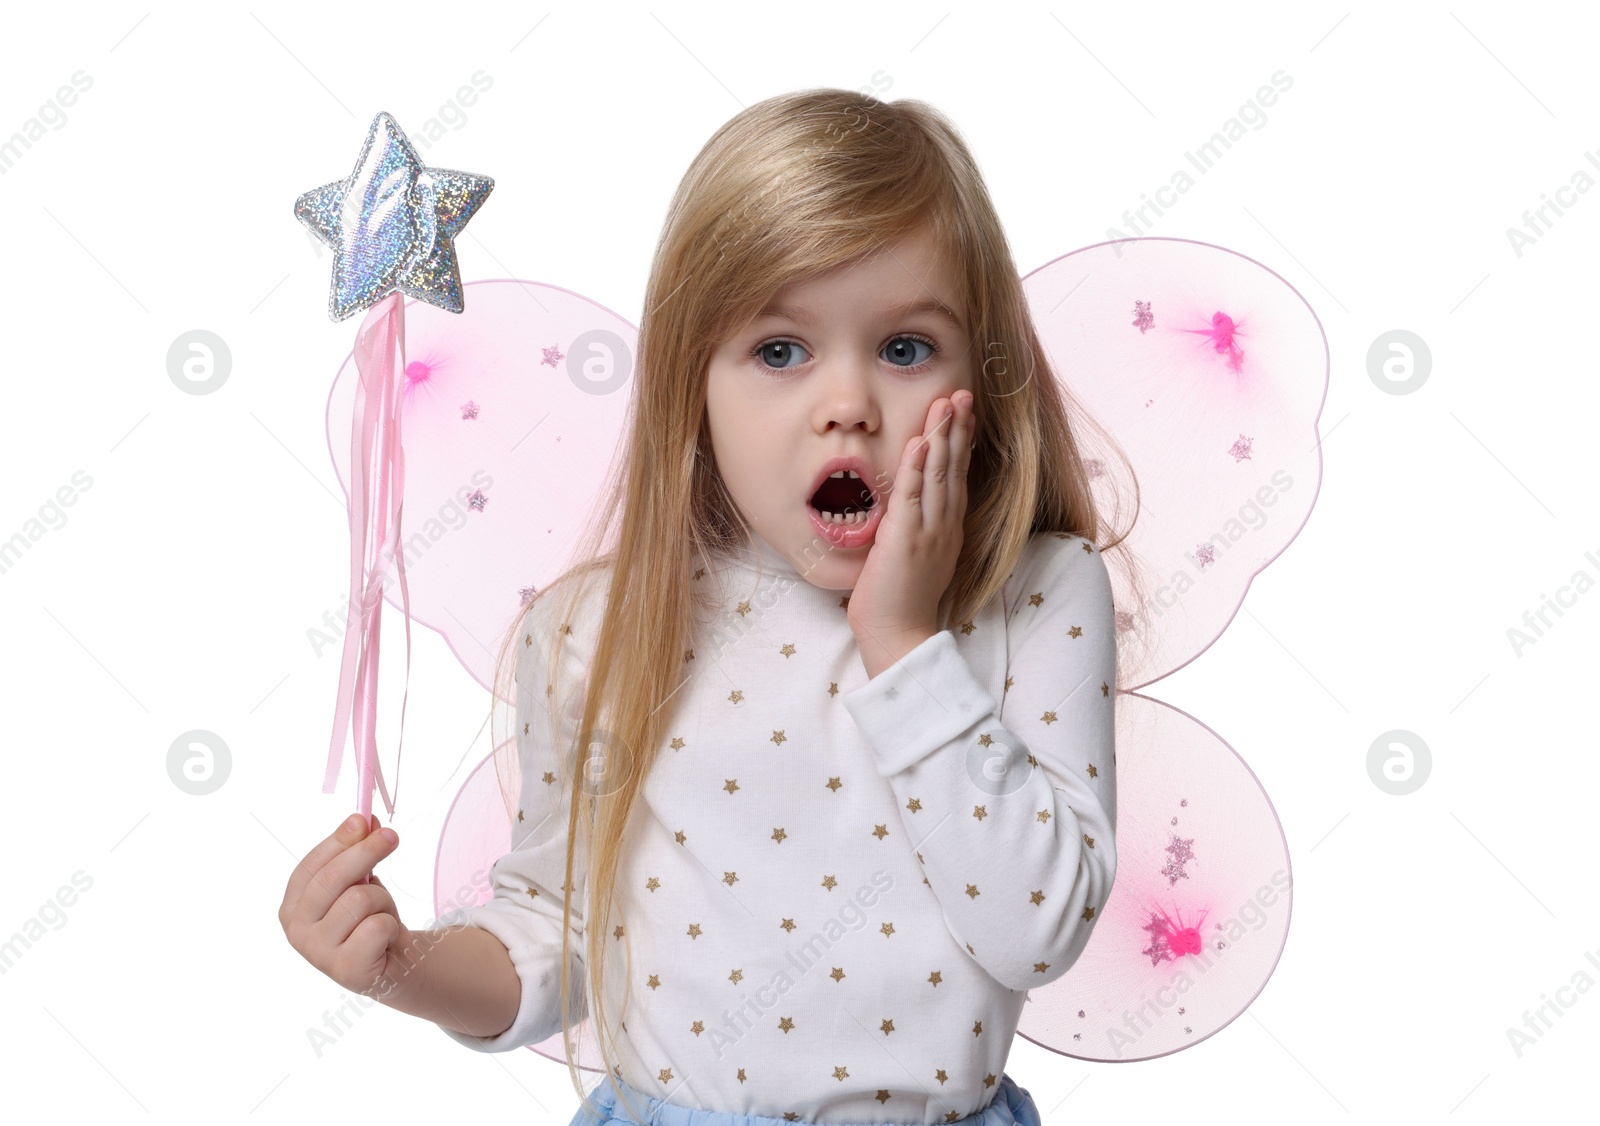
point(836, 891)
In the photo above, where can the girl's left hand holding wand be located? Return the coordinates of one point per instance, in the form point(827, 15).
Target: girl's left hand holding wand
point(895, 604)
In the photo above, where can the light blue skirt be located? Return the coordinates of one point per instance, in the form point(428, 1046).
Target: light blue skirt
point(1011, 1106)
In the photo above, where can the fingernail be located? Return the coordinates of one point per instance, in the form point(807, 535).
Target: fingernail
point(352, 823)
point(389, 835)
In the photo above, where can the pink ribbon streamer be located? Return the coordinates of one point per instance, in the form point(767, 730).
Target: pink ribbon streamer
point(377, 489)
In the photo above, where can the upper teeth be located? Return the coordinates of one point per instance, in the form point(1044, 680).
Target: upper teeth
point(846, 473)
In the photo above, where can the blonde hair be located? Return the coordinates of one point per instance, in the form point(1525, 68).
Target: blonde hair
point(794, 186)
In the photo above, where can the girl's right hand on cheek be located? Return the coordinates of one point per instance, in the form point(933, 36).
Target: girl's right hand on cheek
point(349, 930)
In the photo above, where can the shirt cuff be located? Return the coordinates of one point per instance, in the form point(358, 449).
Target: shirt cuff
point(918, 704)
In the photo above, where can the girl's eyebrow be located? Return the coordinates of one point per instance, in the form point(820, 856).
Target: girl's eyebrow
point(801, 314)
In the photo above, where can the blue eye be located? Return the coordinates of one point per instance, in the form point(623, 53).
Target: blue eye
point(897, 347)
point(774, 355)
point(781, 350)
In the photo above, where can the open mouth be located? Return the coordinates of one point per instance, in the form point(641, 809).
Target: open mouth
point(843, 499)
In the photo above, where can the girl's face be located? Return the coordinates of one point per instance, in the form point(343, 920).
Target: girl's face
point(844, 366)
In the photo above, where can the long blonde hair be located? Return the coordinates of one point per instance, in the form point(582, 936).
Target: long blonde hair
point(791, 187)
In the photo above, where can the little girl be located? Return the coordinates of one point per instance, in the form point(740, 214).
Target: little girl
point(817, 768)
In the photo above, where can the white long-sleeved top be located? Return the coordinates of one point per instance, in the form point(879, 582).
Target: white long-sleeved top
point(839, 889)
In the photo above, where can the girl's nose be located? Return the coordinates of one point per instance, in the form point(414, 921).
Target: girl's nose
point(846, 389)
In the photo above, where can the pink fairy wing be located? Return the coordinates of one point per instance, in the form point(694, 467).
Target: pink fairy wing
point(1209, 370)
point(1199, 912)
point(513, 410)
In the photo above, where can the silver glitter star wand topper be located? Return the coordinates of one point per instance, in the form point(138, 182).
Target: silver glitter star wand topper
point(391, 224)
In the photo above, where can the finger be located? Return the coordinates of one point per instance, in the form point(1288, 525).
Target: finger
point(354, 905)
point(381, 928)
point(346, 868)
point(961, 455)
point(905, 502)
point(936, 492)
point(351, 830)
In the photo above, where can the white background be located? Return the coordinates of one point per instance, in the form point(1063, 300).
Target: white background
point(179, 590)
